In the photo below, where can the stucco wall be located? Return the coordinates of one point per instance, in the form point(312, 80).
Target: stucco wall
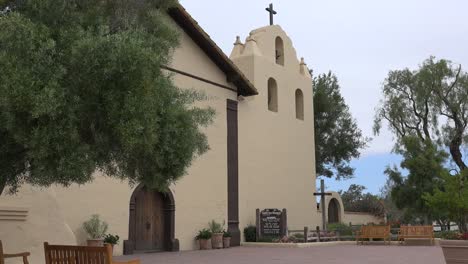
point(276, 151)
point(56, 214)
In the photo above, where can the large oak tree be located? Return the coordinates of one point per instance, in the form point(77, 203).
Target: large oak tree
point(82, 89)
point(427, 111)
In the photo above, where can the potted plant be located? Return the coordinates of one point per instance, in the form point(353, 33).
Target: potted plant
point(96, 230)
point(217, 234)
point(227, 239)
point(204, 239)
point(111, 240)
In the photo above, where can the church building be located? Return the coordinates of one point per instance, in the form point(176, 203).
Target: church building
point(262, 155)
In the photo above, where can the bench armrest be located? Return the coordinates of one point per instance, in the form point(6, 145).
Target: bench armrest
point(134, 261)
point(17, 255)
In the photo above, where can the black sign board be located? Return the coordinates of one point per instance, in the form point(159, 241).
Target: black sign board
point(271, 223)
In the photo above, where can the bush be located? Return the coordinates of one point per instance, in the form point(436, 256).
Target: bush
point(203, 234)
point(448, 235)
point(250, 233)
point(268, 239)
point(342, 229)
point(111, 239)
point(215, 227)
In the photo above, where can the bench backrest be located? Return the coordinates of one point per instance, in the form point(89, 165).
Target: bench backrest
point(372, 230)
point(58, 254)
point(417, 230)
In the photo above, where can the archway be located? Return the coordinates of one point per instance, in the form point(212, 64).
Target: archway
point(152, 222)
point(333, 211)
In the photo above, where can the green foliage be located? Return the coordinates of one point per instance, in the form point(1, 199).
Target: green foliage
point(95, 227)
point(424, 163)
point(343, 229)
point(82, 89)
point(414, 106)
point(227, 234)
point(204, 234)
point(355, 200)
point(216, 227)
point(267, 239)
point(337, 136)
point(250, 233)
point(111, 239)
point(448, 235)
point(451, 197)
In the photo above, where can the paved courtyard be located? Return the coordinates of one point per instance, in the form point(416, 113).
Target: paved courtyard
point(340, 254)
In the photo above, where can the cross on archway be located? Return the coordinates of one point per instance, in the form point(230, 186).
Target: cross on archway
point(322, 195)
point(272, 13)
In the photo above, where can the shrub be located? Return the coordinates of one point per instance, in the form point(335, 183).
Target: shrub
point(342, 229)
point(250, 233)
point(203, 234)
point(449, 235)
point(215, 227)
point(111, 239)
point(227, 234)
point(95, 228)
point(268, 239)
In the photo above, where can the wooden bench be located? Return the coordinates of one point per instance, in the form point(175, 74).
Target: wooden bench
point(58, 254)
point(416, 232)
point(4, 256)
point(372, 232)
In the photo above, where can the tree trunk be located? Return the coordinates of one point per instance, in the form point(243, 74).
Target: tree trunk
point(2, 185)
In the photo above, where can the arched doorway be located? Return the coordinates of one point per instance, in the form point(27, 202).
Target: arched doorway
point(152, 222)
point(333, 211)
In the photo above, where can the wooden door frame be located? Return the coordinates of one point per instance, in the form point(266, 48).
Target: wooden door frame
point(170, 242)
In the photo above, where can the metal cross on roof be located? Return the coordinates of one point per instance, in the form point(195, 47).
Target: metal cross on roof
point(272, 13)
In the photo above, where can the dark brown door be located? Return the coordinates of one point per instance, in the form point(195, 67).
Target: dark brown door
point(149, 217)
point(333, 211)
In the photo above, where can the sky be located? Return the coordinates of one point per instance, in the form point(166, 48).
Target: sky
point(360, 41)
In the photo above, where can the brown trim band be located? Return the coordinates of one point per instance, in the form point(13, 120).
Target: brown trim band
point(198, 78)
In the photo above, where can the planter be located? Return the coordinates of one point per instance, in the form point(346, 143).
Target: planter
point(226, 242)
point(95, 242)
point(455, 251)
point(217, 240)
point(204, 244)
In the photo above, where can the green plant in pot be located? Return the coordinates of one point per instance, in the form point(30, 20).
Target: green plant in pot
point(204, 239)
point(96, 230)
point(218, 231)
point(111, 240)
point(227, 239)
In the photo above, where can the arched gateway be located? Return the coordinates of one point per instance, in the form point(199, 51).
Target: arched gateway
point(333, 211)
point(152, 222)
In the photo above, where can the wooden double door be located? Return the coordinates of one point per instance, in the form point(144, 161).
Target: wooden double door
point(149, 220)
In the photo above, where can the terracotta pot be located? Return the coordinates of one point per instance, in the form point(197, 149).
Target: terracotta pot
point(455, 251)
point(226, 242)
point(95, 242)
point(204, 244)
point(217, 240)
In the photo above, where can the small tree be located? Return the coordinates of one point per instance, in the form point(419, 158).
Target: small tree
point(451, 197)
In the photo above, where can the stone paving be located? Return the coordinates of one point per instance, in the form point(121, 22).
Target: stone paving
point(339, 254)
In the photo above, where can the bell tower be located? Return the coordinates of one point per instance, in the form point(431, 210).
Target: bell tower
point(276, 129)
